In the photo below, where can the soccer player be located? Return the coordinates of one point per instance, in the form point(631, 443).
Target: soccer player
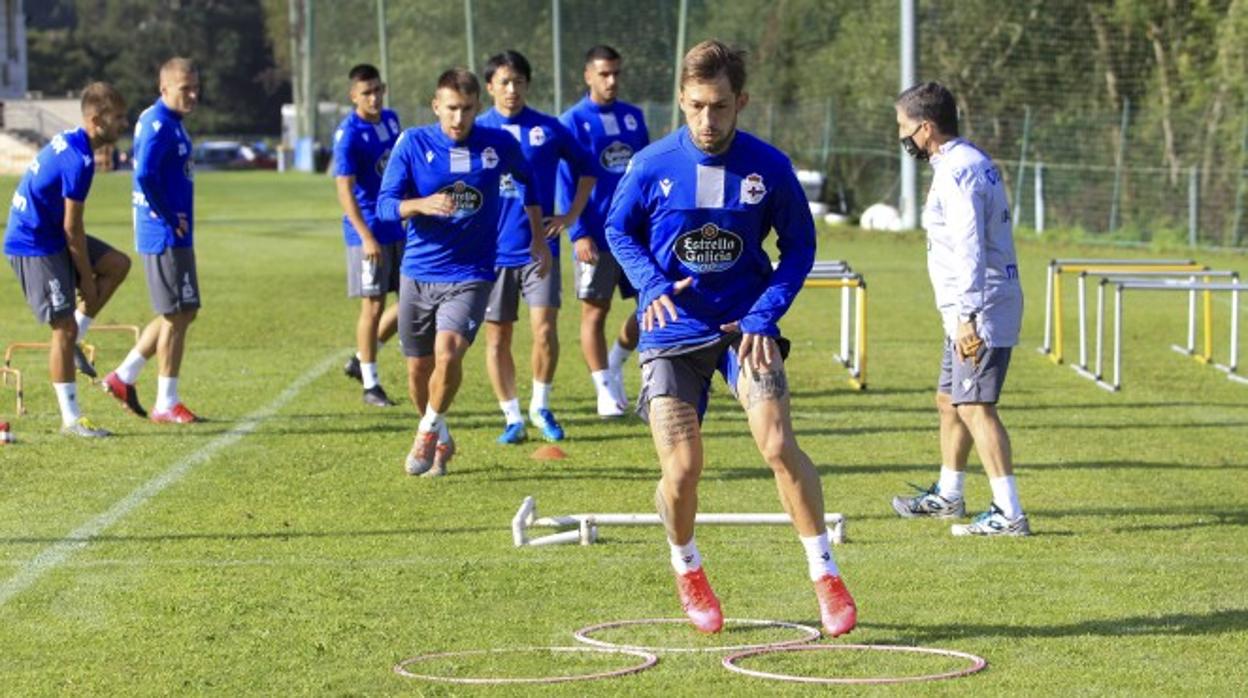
point(974, 271)
point(163, 199)
point(362, 145)
point(545, 142)
point(444, 180)
point(687, 225)
point(48, 247)
point(610, 131)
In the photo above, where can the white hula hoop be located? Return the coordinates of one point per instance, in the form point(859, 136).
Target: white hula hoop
point(977, 664)
point(648, 660)
point(583, 635)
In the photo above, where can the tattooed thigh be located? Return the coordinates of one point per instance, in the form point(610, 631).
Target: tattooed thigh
point(761, 386)
point(673, 422)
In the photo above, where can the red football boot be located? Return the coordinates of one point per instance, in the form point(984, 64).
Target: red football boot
point(836, 606)
point(699, 602)
point(179, 414)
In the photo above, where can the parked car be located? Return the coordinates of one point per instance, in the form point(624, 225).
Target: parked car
point(233, 155)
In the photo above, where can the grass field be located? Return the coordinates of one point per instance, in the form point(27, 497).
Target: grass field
point(288, 554)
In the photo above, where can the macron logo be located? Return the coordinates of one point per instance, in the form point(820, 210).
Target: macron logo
point(666, 185)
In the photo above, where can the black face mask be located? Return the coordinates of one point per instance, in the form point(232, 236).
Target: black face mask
point(912, 149)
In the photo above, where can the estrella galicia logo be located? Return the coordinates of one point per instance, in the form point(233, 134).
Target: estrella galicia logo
point(709, 248)
point(615, 157)
point(466, 198)
point(380, 167)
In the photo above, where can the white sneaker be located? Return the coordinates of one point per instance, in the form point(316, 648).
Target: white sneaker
point(608, 406)
point(994, 523)
point(617, 386)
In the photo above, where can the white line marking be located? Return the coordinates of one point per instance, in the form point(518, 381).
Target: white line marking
point(57, 553)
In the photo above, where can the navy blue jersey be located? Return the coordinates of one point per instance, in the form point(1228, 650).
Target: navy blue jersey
point(164, 180)
point(63, 169)
point(361, 149)
point(679, 213)
point(425, 161)
point(609, 135)
point(545, 142)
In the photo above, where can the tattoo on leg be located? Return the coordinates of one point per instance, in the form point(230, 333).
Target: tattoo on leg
point(772, 385)
point(675, 424)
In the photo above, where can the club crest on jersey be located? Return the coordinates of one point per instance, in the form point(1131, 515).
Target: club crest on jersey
point(709, 248)
point(537, 136)
point(507, 186)
point(630, 122)
point(489, 158)
point(467, 199)
point(752, 189)
point(615, 157)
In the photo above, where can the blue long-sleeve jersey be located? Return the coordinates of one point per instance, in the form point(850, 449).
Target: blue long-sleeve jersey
point(164, 180)
point(361, 150)
point(679, 212)
point(425, 161)
point(545, 143)
point(63, 169)
point(609, 135)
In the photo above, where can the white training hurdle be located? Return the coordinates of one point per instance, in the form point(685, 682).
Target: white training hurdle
point(1207, 275)
point(853, 340)
point(1231, 368)
point(1053, 316)
point(584, 527)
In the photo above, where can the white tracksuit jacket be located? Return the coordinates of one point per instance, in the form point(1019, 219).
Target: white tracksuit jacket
point(970, 245)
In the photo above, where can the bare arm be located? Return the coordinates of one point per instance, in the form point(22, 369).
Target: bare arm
point(76, 236)
point(351, 207)
point(537, 244)
point(556, 224)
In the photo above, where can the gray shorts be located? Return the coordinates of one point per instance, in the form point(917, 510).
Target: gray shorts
point(50, 282)
point(512, 282)
point(172, 280)
point(599, 281)
point(371, 279)
point(685, 372)
point(968, 382)
point(425, 309)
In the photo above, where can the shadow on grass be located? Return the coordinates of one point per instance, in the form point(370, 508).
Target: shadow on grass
point(1185, 624)
point(258, 535)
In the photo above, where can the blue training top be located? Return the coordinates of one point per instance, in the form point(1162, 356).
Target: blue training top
point(164, 180)
point(63, 169)
point(609, 135)
point(545, 142)
point(425, 161)
point(679, 212)
point(361, 149)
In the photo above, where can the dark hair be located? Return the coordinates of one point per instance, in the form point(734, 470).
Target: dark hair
point(510, 59)
point(460, 80)
point(931, 101)
point(601, 52)
point(99, 96)
point(710, 59)
point(364, 72)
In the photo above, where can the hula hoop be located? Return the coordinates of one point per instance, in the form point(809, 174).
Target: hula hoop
point(583, 635)
point(977, 664)
point(648, 660)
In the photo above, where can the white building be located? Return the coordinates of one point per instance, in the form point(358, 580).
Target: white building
point(12, 49)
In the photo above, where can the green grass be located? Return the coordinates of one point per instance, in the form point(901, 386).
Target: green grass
point(300, 560)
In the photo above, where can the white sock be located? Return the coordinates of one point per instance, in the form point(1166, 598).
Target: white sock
point(819, 556)
point(84, 323)
point(602, 381)
point(67, 397)
point(617, 356)
point(369, 374)
point(1005, 496)
point(129, 369)
point(166, 393)
point(685, 558)
point(444, 432)
point(541, 397)
point(431, 421)
point(950, 484)
point(511, 410)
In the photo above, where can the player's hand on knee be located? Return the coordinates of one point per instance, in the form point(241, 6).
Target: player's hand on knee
point(371, 250)
point(586, 250)
point(541, 254)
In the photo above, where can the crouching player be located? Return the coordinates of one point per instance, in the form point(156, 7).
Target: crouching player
point(687, 225)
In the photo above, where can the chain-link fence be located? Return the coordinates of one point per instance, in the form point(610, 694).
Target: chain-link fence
point(1125, 120)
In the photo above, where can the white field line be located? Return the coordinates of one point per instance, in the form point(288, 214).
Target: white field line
point(57, 553)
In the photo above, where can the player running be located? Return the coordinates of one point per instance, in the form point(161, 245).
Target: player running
point(444, 179)
point(47, 246)
point(545, 142)
point(163, 199)
point(687, 225)
point(362, 144)
point(610, 131)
